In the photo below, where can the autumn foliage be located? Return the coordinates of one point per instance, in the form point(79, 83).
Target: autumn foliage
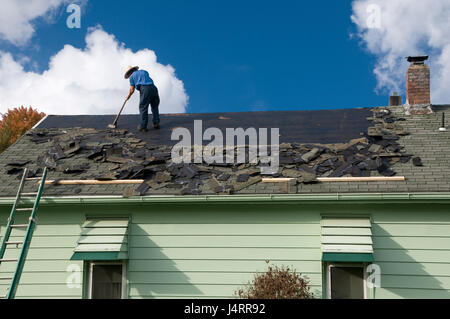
point(277, 283)
point(15, 123)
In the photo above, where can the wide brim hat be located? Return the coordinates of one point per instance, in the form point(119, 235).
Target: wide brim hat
point(129, 70)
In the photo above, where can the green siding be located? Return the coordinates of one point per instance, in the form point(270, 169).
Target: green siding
point(210, 250)
point(217, 266)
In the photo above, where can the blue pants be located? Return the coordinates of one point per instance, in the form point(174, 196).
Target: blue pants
point(149, 96)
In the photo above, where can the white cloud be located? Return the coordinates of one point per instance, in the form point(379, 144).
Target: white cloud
point(407, 27)
point(17, 16)
point(87, 81)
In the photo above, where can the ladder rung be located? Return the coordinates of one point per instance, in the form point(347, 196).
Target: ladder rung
point(14, 243)
point(19, 225)
point(28, 194)
point(24, 209)
point(33, 178)
point(8, 260)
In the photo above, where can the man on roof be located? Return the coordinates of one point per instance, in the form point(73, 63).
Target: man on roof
point(141, 80)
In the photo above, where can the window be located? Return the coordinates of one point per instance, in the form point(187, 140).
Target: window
point(106, 280)
point(346, 281)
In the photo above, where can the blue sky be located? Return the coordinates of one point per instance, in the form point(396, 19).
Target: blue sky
point(232, 55)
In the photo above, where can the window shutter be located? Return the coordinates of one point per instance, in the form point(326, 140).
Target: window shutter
point(349, 236)
point(103, 239)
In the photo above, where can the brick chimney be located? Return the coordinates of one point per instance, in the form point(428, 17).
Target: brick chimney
point(418, 86)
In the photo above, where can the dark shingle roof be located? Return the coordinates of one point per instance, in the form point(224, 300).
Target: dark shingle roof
point(298, 128)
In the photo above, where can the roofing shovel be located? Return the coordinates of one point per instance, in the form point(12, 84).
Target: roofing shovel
point(117, 117)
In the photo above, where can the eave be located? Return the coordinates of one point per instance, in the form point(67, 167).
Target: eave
point(288, 198)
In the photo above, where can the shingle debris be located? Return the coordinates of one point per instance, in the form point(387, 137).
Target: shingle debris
point(417, 161)
point(18, 163)
point(116, 154)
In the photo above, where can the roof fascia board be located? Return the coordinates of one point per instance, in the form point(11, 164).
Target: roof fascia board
point(38, 123)
point(373, 197)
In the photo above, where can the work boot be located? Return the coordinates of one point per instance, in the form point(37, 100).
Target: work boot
point(141, 129)
point(156, 126)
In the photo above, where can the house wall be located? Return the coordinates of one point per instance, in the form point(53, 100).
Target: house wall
point(210, 250)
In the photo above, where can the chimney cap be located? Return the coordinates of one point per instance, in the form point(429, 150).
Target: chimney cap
point(417, 59)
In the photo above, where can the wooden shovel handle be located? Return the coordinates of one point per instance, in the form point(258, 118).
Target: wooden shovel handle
point(117, 117)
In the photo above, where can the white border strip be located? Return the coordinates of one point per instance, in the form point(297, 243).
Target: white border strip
point(38, 123)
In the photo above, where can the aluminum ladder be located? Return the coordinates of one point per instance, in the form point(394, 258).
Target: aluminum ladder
point(20, 261)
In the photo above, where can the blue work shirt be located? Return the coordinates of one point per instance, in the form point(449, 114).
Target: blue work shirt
point(140, 77)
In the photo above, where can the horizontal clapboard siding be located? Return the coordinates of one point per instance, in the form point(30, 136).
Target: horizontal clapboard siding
point(179, 259)
point(414, 258)
point(411, 293)
point(199, 260)
point(209, 252)
point(217, 266)
point(198, 278)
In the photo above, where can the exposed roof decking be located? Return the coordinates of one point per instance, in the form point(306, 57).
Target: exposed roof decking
point(330, 126)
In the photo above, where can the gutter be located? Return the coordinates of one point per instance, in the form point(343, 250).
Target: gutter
point(321, 198)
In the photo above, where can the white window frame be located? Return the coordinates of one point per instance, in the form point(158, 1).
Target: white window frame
point(91, 265)
point(341, 265)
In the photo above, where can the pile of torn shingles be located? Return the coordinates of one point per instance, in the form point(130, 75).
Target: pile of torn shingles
point(126, 157)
